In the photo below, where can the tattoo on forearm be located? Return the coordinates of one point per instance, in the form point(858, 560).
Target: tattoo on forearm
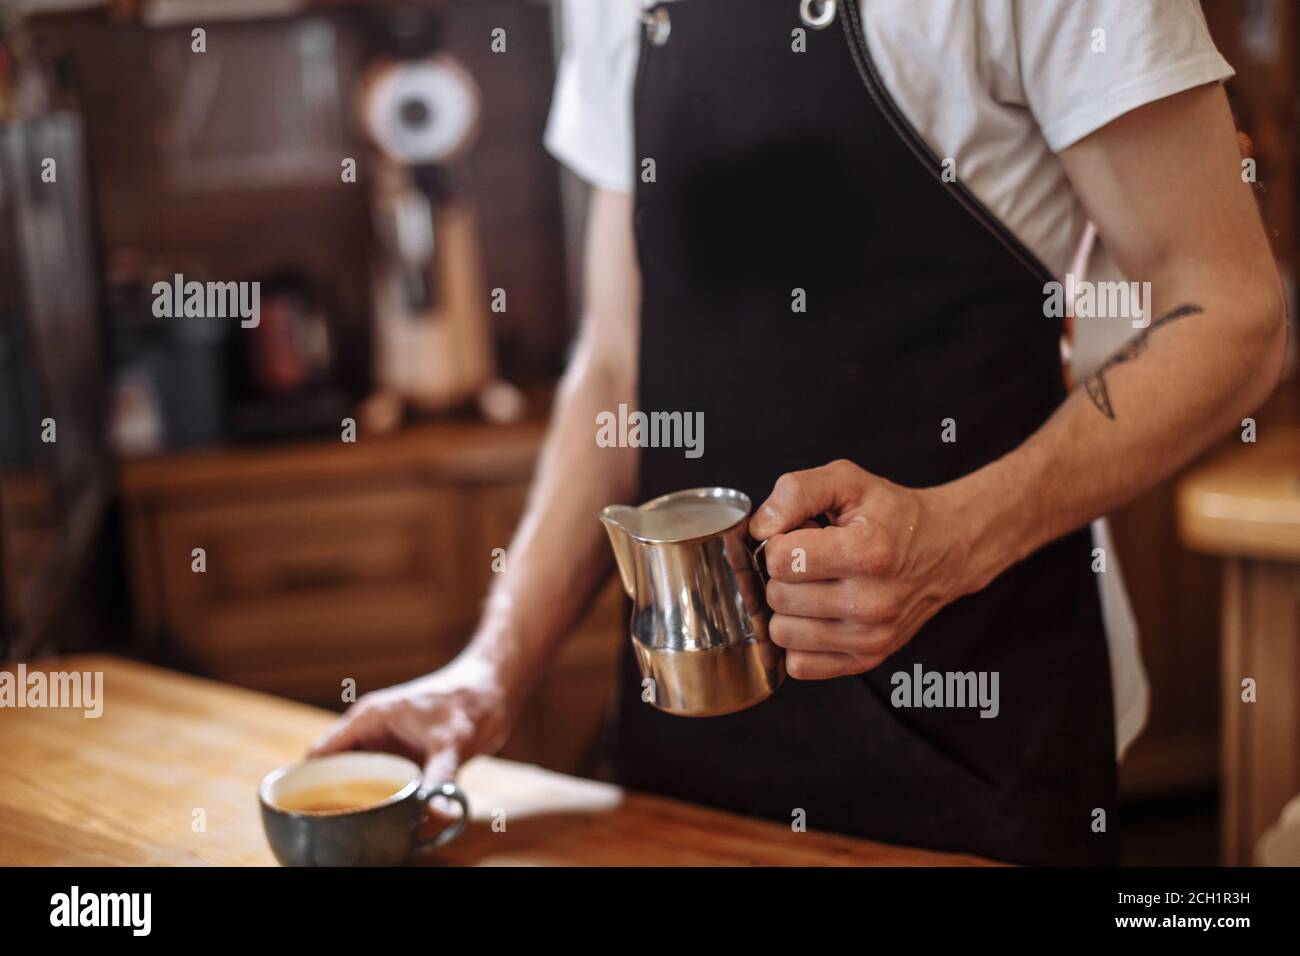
point(1095, 384)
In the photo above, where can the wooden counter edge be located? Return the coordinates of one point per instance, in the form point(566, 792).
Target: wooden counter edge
point(838, 849)
point(1245, 502)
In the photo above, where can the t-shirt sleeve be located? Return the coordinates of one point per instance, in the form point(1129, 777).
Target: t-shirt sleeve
point(589, 129)
point(1085, 62)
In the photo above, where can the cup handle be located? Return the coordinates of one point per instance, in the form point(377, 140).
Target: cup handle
point(455, 828)
point(759, 563)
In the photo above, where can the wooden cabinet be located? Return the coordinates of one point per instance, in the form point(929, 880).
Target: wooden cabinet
point(293, 588)
point(29, 529)
point(291, 569)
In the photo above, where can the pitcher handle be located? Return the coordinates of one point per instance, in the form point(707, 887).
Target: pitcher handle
point(757, 560)
point(756, 552)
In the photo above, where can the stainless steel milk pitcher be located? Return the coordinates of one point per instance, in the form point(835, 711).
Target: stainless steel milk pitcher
point(699, 615)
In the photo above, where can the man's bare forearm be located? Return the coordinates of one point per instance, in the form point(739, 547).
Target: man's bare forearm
point(1164, 186)
point(559, 554)
point(1160, 399)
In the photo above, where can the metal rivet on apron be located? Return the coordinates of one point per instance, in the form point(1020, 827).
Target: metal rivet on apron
point(657, 25)
point(817, 14)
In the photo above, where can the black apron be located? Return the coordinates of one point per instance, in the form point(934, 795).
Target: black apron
point(776, 171)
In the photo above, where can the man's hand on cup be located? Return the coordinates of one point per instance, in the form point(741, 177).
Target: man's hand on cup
point(439, 720)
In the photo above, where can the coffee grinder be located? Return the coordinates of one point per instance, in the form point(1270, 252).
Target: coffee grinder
point(420, 110)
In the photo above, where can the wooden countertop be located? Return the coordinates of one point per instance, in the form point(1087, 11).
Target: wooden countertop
point(122, 789)
point(1246, 502)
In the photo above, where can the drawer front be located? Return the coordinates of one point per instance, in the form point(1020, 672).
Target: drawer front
point(306, 644)
point(299, 594)
point(308, 544)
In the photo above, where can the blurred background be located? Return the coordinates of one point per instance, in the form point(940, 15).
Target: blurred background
point(185, 491)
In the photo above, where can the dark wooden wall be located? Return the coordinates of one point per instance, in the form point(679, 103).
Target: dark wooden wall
point(227, 164)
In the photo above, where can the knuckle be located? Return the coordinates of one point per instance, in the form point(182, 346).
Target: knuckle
point(877, 644)
point(796, 666)
point(856, 611)
point(854, 636)
point(789, 485)
point(777, 594)
point(459, 726)
point(856, 606)
point(855, 664)
point(778, 630)
point(874, 557)
point(868, 662)
point(777, 557)
point(885, 610)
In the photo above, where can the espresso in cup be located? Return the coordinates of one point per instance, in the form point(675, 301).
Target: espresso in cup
point(343, 795)
point(352, 809)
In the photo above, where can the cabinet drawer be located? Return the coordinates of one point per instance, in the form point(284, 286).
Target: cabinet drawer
point(304, 644)
point(300, 593)
point(308, 544)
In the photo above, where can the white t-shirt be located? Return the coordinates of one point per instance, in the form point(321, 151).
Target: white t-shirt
point(1000, 86)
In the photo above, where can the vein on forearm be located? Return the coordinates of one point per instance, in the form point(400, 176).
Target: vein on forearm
point(1095, 384)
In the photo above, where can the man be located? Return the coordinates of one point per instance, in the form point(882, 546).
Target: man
point(832, 228)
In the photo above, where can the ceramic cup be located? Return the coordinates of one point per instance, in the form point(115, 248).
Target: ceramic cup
point(381, 833)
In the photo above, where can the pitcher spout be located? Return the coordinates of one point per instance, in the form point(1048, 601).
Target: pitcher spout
point(614, 520)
